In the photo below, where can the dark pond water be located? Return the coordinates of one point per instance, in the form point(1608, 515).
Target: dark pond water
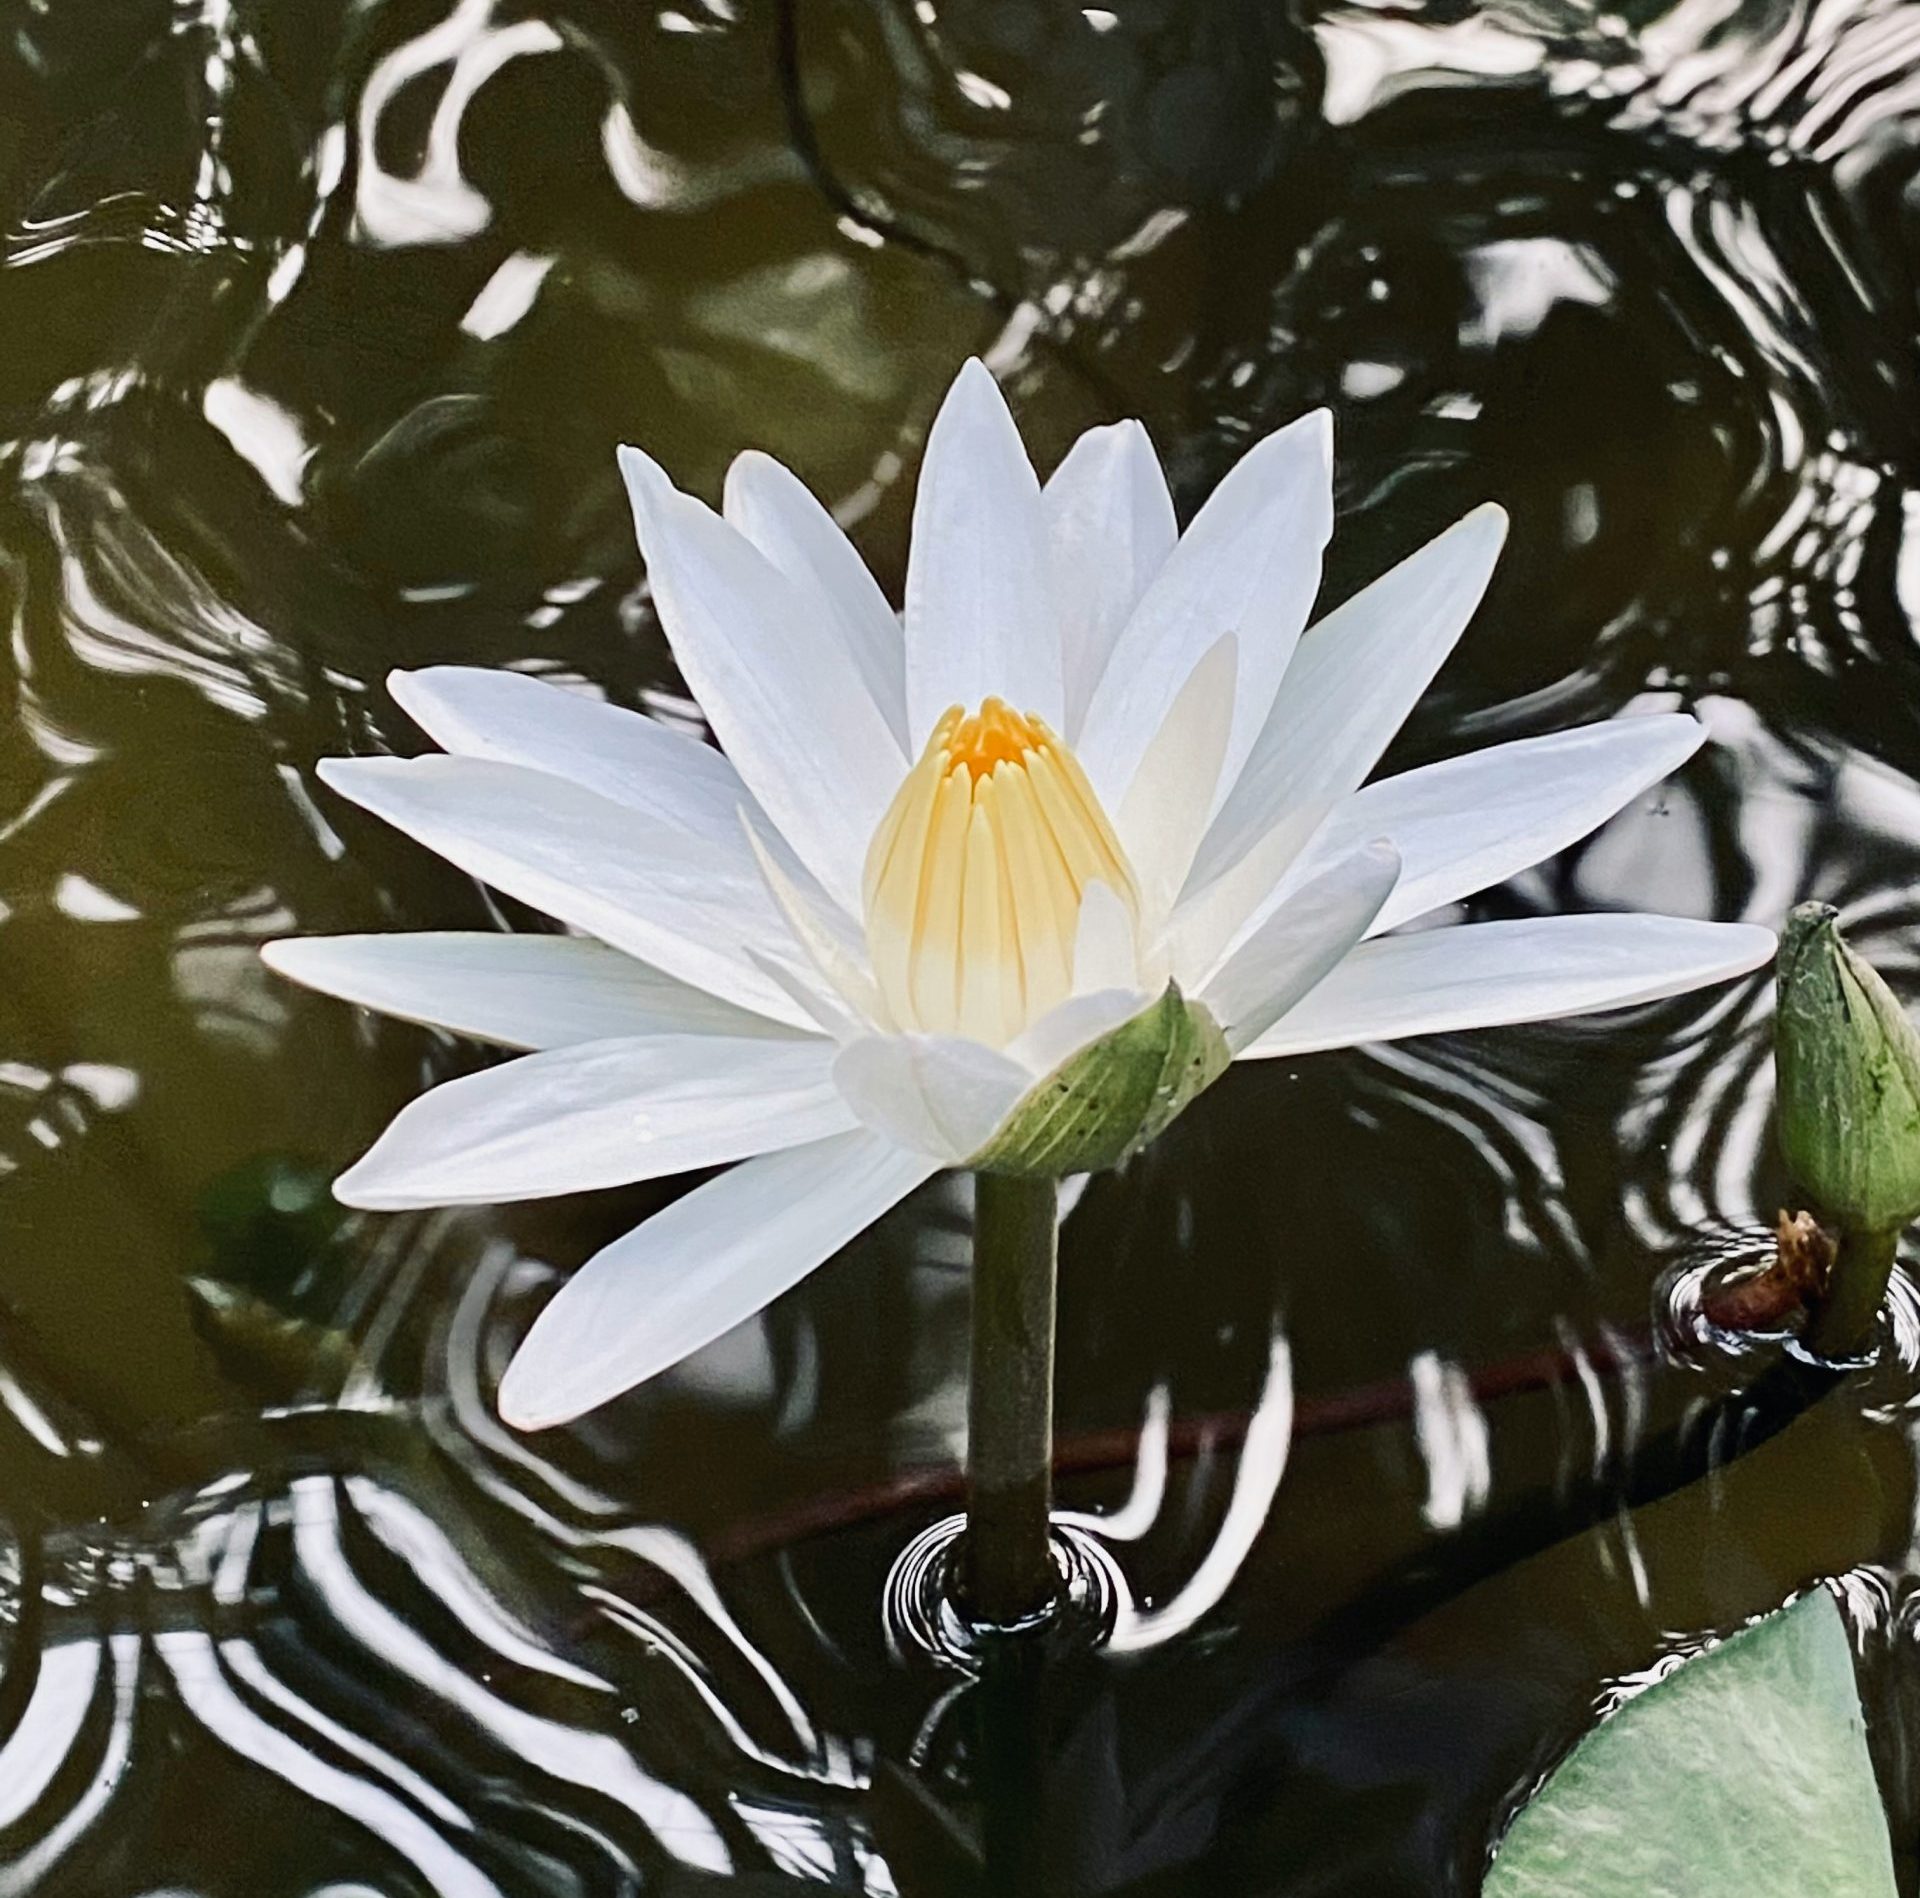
point(321, 323)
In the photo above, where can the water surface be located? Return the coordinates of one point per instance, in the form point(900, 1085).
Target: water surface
point(322, 323)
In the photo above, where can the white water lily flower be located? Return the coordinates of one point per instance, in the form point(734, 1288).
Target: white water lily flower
point(1007, 887)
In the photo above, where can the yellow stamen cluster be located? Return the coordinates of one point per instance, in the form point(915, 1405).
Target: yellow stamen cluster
point(975, 876)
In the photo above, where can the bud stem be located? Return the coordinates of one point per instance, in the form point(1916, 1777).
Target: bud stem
point(1009, 1574)
point(1842, 1325)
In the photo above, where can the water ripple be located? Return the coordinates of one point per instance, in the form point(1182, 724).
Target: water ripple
point(324, 323)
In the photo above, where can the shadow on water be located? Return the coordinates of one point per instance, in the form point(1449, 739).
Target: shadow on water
point(323, 323)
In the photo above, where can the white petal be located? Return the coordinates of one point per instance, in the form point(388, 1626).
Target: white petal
point(941, 1095)
point(1296, 947)
point(1077, 1023)
point(518, 991)
point(1166, 807)
point(1104, 952)
point(1474, 821)
point(833, 944)
point(694, 1271)
point(1209, 922)
point(773, 678)
point(601, 1114)
point(980, 616)
point(1249, 565)
point(670, 776)
point(666, 898)
point(775, 510)
point(1483, 975)
point(1110, 526)
point(1357, 675)
point(817, 1001)
point(478, 712)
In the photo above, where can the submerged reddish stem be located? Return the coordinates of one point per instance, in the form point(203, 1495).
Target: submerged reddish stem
point(1771, 1298)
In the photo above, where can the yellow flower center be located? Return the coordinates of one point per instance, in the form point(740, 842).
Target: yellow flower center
point(975, 876)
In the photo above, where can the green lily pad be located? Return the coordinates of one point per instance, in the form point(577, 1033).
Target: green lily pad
point(1742, 1774)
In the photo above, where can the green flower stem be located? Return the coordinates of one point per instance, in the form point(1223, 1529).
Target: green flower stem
point(1009, 1573)
point(1842, 1326)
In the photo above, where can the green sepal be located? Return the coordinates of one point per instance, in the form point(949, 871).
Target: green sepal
point(1849, 1079)
point(1111, 1098)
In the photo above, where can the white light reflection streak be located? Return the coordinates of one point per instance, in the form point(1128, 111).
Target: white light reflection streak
point(472, 1408)
point(506, 296)
point(18, 1402)
point(22, 1876)
point(189, 1656)
point(673, 1554)
point(677, 1558)
point(1263, 1461)
point(596, 1761)
point(669, 1647)
point(646, 176)
point(429, 1552)
point(243, 1662)
point(437, 205)
point(262, 432)
point(1596, 1396)
point(1141, 1510)
point(57, 1709)
point(1452, 1434)
point(1369, 60)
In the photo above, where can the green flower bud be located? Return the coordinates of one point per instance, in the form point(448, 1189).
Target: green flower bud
point(1849, 1078)
point(1113, 1097)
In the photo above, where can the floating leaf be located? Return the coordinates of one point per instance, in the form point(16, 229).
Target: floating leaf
point(1742, 1774)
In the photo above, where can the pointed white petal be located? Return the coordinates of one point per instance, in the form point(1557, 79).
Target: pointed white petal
point(941, 1095)
point(1462, 825)
point(1472, 822)
point(833, 943)
point(1296, 947)
point(694, 1271)
point(980, 616)
point(666, 898)
point(774, 679)
point(1250, 565)
point(1483, 975)
point(775, 510)
point(1357, 675)
point(477, 712)
point(1209, 922)
point(669, 776)
point(518, 991)
point(1074, 1024)
point(815, 999)
point(1165, 809)
point(1104, 953)
point(1110, 526)
point(604, 1113)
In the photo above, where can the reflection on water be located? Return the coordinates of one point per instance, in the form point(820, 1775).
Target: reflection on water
point(323, 322)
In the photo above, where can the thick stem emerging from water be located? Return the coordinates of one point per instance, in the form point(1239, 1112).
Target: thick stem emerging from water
point(1009, 1557)
point(1842, 1324)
